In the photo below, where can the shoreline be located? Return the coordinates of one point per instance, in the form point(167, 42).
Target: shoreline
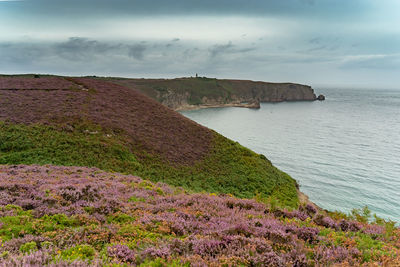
point(255, 105)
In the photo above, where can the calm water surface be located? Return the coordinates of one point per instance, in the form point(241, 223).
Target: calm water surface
point(344, 152)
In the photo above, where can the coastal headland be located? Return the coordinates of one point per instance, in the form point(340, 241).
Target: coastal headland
point(202, 92)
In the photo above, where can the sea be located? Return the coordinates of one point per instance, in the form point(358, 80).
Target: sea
point(344, 151)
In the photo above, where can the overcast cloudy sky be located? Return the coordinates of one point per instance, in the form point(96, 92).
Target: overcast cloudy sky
point(318, 42)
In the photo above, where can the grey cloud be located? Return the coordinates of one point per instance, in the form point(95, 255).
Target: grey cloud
point(82, 56)
point(79, 56)
point(245, 50)
point(190, 53)
point(137, 51)
point(321, 48)
point(77, 48)
point(315, 40)
point(320, 45)
point(173, 42)
point(22, 53)
point(219, 49)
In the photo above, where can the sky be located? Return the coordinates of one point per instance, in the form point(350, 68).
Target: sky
point(331, 43)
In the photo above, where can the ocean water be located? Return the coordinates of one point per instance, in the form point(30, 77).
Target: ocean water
point(344, 151)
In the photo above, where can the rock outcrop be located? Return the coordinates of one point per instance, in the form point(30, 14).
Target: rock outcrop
point(192, 93)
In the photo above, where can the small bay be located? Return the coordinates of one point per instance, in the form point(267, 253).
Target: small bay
point(344, 151)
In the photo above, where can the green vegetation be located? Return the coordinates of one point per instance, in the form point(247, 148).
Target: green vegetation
point(228, 167)
point(23, 223)
point(28, 247)
point(82, 252)
point(84, 146)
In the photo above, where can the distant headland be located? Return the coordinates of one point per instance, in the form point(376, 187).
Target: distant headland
point(203, 92)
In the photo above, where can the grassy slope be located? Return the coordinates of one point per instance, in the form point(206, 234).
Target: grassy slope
point(117, 129)
point(228, 167)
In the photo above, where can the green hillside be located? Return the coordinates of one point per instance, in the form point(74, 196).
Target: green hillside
point(101, 124)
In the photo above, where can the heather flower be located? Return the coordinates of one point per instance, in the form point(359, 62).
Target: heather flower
point(279, 213)
point(25, 83)
point(374, 230)
point(179, 247)
point(37, 258)
point(14, 244)
point(310, 209)
point(199, 229)
point(326, 222)
point(308, 234)
point(240, 229)
point(207, 247)
point(44, 258)
point(278, 236)
point(296, 214)
point(349, 226)
point(267, 259)
point(154, 252)
point(328, 255)
point(300, 261)
point(122, 253)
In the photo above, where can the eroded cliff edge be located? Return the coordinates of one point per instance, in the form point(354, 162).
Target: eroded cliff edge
point(191, 93)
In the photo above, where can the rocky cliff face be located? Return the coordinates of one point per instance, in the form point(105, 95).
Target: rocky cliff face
point(272, 92)
point(191, 93)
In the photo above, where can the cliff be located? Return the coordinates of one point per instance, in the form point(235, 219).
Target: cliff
point(189, 93)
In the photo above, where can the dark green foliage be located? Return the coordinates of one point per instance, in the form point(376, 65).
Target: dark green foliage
point(82, 252)
point(119, 218)
point(15, 226)
point(86, 145)
point(361, 215)
point(28, 247)
point(23, 223)
point(228, 168)
point(136, 199)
